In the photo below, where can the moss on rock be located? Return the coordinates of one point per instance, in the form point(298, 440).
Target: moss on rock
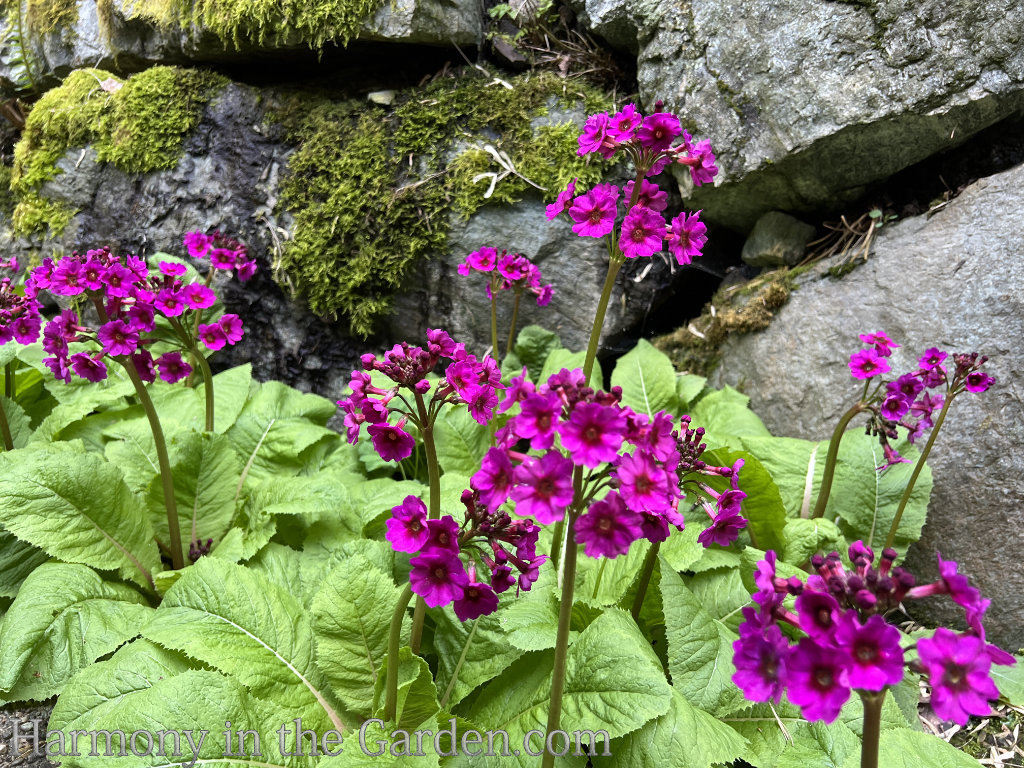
point(138, 124)
point(237, 22)
point(371, 189)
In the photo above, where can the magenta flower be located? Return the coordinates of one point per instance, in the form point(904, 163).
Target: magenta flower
point(724, 529)
point(172, 268)
point(760, 661)
point(622, 124)
point(643, 231)
point(26, 328)
point(594, 212)
point(477, 600)
point(438, 576)
point(958, 670)
point(222, 258)
point(407, 527)
point(213, 336)
point(702, 163)
point(608, 528)
point(659, 130)
point(198, 296)
point(172, 368)
point(543, 487)
point(978, 381)
point(117, 338)
point(88, 367)
point(595, 136)
point(144, 364)
point(932, 359)
point(686, 237)
point(894, 407)
point(232, 327)
point(537, 420)
point(391, 442)
point(875, 656)
point(867, 363)
point(118, 280)
point(494, 478)
point(593, 435)
point(818, 680)
point(651, 195)
point(562, 202)
point(170, 302)
point(197, 244)
point(881, 342)
point(643, 485)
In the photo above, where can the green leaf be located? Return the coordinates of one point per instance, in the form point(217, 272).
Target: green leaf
point(618, 574)
point(763, 506)
point(100, 688)
point(805, 536)
point(489, 654)
point(17, 421)
point(17, 560)
point(647, 378)
point(187, 407)
point(531, 622)
point(780, 738)
point(681, 550)
point(205, 474)
point(863, 501)
point(684, 737)
point(275, 426)
point(726, 416)
point(795, 466)
point(722, 594)
point(61, 417)
point(559, 359)
point(533, 347)
point(417, 696)
point(65, 617)
point(461, 442)
point(620, 694)
point(688, 388)
point(242, 624)
point(377, 746)
point(76, 507)
point(699, 649)
point(904, 748)
point(351, 617)
point(1010, 681)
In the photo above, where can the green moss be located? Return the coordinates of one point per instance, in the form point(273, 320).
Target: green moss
point(139, 125)
point(371, 190)
point(237, 22)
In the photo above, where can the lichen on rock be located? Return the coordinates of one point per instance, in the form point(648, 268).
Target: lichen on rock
point(371, 190)
point(138, 125)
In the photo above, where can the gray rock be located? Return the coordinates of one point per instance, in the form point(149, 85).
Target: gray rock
point(620, 22)
point(951, 281)
point(777, 239)
point(807, 101)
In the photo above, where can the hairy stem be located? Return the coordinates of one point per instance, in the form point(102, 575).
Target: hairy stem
point(434, 473)
point(512, 325)
point(917, 472)
point(602, 307)
point(394, 639)
point(9, 388)
point(207, 386)
point(177, 558)
point(831, 457)
point(494, 325)
point(872, 727)
point(645, 579)
point(5, 430)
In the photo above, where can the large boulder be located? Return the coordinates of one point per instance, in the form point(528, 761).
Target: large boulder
point(808, 101)
point(951, 280)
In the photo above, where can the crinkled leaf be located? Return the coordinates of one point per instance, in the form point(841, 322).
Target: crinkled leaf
point(620, 694)
point(76, 507)
point(417, 695)
point(372, 746)
point(244, 625)
point(805, 536)
point(904, 748)
point(699, 649)
point(763, 507)
point(1010, 681)
point(722, 594)
point(726, 416)
point(682, 549)
point(800, 745)
point(187, 406)
point(688, 388)
point(351, 622)
point(618, 573)
point(205, 474)
point(65, 617)
point(684, 737)
point(18, 422)
point(796, 467)
point(647, 378)
point(559, 359)
point(17, 560)
point(489, 653)
point(275, 426)
point(531, 623)
point(533, 347)
point(461, 442)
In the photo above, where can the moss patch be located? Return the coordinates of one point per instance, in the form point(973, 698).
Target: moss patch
point(139, 125)
point(371, 189)
point(237, 22)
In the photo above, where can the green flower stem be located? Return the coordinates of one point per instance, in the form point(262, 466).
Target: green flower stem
point(557, 534)
point(434, 473)
point(494, 325)
point(458, 665)
point(602, 307)
point(645, 579)
point(177, 559)
point(600, 576)
point(917, 471)
point(207, 386)
point(394, 639)
point(9, 389)
point(872, 727)
point(830, 459)
point(5, 430)
point(562, 641)
point(512, 327)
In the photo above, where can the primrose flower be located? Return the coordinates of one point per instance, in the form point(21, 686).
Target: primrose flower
point(643, 231)
point(867, 363)
point(608, 527)
point(594, 211)
point(686, 237)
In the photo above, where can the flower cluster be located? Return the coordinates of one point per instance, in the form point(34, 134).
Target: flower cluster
point(572, 426)
point(19, 315)
point(467, 380)
point(648, 141)
point(507, 271)
point(848, 644)
point(127, 298)
point(224, 252)
point(492, 543)
point(906, 402)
